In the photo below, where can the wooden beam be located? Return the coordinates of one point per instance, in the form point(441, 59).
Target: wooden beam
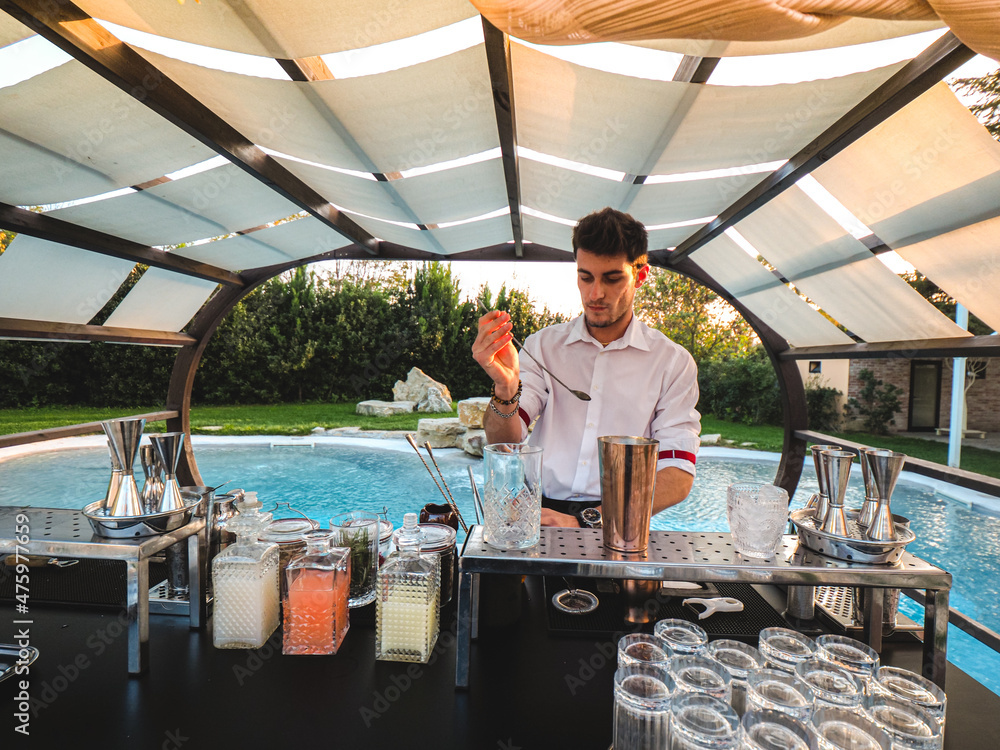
point(87, 428)
point(969, 346)
point(76, 33)
point(916, 77)
point(502, 80)
point(15, 328)
point(56, 230)
point(960, 477)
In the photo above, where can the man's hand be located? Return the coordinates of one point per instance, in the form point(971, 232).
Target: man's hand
point(496, 354)
point(554, 518)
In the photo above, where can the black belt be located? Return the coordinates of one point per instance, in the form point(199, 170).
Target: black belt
point(569, 507)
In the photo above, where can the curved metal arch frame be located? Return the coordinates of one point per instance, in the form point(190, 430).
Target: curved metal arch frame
point(207, 321)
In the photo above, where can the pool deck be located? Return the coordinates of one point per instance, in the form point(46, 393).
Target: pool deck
point(528, 689)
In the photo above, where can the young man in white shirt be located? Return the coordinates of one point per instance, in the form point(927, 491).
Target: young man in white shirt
point(640, 382)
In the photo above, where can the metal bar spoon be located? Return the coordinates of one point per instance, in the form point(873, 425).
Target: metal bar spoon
point(579, 394)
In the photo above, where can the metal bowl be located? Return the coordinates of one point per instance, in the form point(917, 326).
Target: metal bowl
point(850, 549)
point(132, 527)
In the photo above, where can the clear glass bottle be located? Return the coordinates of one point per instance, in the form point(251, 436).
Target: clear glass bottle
point(245, 580)
point(406, 602)
point(315, 597)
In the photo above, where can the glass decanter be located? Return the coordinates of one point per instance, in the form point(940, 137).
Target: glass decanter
point(406, 603)
point(245, 581)
point(315, 598)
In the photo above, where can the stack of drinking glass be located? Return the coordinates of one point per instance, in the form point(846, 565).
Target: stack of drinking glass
point(676, 691)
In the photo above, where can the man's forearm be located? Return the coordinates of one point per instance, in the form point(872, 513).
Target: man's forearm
point(499, 430)
point(672, 486)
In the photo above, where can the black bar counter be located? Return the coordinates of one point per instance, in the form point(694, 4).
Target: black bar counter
point(529, 689)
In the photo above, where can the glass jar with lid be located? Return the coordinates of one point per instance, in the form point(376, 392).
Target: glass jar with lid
point(290, 536)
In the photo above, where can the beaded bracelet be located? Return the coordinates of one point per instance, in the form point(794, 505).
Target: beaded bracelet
point(499, 413)
point(517, 396)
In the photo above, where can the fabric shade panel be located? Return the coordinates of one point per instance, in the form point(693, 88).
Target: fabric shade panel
point(161, 301)
point(546, 232)
point(301, 238)
point(565, 192)
point(853, 31)
point(586, 115)
point(964, 263)
point(272, 28)
point(678, 201)
point(12, 30)
point(930, 168)
point(73, 113)
point(33, 176)
point(734, 126)
point(42, 280)
point(475, 234)
point(234, 253)
point(838, 273)
point(765, 296)
point(219, 201)
point(455, 194)
point(383, 230)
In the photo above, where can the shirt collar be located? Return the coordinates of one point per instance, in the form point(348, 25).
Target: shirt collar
point(634, 335)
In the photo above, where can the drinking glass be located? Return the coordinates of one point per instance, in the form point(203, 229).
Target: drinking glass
point(910, 726)
point(513, 495)
point(700, 674)
point(773, 730)
point(739, 660)
point(856, 657)
point(780, 691)
point(684, 637)
point(832, 686)
point(757, 516)
point(640, 648)
point(359, 532)
point(912, 687)
point(701, 722)
point(784, 648)
point(837, 729)
point(642, 707)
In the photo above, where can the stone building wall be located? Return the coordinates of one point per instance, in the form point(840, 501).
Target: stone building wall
point(984, 395)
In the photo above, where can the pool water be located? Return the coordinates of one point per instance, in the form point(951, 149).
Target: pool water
point(371, 475)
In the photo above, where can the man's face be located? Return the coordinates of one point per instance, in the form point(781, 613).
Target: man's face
point(607, 287)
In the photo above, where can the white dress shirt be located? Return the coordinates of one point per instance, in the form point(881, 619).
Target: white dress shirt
point(642, 384)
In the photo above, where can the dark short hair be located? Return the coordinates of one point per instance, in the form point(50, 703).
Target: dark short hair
point(610, 232)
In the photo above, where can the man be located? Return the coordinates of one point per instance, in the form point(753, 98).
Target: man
point(640, 382)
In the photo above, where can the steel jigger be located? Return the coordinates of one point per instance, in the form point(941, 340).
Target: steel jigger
point(820, 501)
point(152, 489)
point(884, 466)
point(870, 505)
point(123, 441)
point(168, 448)
point(838, 472)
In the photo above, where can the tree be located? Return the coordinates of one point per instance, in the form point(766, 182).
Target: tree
point(693, 316)
point(5, 239)
point(987, 109)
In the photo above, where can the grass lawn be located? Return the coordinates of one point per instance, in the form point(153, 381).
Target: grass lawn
point(300, 419)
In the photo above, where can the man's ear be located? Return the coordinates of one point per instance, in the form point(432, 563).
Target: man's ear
point(640, 275)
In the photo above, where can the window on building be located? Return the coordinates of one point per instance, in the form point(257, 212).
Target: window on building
point(815, 367)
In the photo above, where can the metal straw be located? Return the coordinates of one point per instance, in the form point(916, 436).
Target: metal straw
point(451, 503)
point(477, 502)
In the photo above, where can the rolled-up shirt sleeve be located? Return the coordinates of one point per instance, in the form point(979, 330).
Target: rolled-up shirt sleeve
point(676, 422)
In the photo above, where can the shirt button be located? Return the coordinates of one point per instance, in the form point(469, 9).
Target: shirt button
point(590, 424)
point(584, 463)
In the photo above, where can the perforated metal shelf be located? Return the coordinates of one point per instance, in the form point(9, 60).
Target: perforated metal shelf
point(687, 555)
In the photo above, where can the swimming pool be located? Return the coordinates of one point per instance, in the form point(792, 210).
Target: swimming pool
point(339, 474)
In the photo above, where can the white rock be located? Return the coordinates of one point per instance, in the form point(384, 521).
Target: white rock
point(318, 430)
point(472, 442)
point(472, 410)
point(384, 408)
point(441, 433)
point(434, 402)
point(711, 439)
point(415, 387)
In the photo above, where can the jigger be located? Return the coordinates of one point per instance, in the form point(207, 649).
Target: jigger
point(870, 505)
point(152, 489)
point(884, 466)
point(115, 481)
point(123, 441)
point(837, 466)
point(820, 502)
point(168, 448)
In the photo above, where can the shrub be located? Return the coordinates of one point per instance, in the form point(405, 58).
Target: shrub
point(821, 405)
point(740, 389)
point(876, 403)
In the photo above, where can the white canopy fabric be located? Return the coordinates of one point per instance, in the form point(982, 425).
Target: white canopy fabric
point(161, 301)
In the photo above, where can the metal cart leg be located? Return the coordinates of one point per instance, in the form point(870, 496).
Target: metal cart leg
point(475, 605)
point(137, 611)
point(874, 604)
point(936, 636)
point(465, 615)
